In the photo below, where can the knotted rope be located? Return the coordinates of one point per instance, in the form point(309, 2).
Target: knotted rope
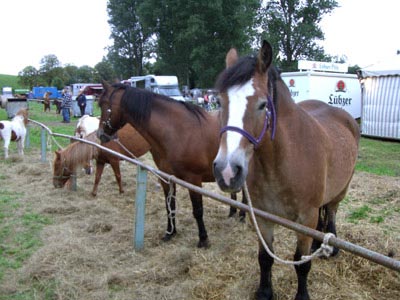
point(324, 250)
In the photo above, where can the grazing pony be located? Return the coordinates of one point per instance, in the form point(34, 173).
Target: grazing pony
point(297, 159)
point(66, 162)
point(14, 130)
point(183, 137)
point(46, 101)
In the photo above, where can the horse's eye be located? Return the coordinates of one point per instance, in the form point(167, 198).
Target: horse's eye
point(262, 106)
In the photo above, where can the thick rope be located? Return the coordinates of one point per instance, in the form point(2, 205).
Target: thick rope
point(325, 249)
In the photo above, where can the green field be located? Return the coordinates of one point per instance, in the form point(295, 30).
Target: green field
point(11, 81)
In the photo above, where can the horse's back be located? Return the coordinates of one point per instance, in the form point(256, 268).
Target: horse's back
point(342, 133)
point(328, 115)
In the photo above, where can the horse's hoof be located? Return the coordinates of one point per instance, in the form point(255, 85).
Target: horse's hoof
point(167, 237)
point(304, 296)
point(265, 294)
point(203, 244)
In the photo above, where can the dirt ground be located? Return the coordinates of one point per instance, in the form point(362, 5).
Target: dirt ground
point(88, 249)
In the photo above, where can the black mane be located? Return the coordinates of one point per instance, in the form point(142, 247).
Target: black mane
point(242, 72)
point(140, 102)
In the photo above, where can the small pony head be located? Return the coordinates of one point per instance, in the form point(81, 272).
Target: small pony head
point(247, 112)
point(61, 173)
point(111, 115)
point(24, 113)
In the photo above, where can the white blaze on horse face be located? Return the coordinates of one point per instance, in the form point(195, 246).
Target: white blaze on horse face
point(237, 106)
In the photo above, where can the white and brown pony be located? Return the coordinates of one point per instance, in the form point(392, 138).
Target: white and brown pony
point(14, 130)
point(86, 125)
point(297, 159)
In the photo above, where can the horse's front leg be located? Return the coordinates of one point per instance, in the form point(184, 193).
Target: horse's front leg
point(265, 291)
point(303, 248)
point(197, 205)
point(170, 194)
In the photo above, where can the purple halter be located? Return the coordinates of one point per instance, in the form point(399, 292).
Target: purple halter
point(270, 116)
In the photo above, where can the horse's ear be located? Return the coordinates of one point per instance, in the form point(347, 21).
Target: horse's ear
point(264, 57)
point(231, 57)
point(105, 84)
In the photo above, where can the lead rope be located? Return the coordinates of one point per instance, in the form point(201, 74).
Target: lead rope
point(324, 250)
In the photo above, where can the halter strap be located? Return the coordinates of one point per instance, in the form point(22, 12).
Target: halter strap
point(270, 117)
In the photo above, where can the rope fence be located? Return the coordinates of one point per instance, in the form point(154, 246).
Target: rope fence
point(141, 195)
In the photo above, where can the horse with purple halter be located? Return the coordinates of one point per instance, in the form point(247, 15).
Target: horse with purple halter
point(297, 159)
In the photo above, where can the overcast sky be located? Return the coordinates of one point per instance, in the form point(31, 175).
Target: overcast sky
point(77, 31)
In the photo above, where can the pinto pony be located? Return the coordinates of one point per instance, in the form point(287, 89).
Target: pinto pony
point(14, 130)
point(86, 125)
point(183, 137)
point(66, 162)
point(297, 159)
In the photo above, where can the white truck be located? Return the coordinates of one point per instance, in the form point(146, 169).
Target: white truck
point(337, 89)
point(163, 85)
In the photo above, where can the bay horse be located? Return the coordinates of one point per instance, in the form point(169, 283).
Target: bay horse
point(297, 159)
point(14, 130)
point(66, 162)
point(183, 137)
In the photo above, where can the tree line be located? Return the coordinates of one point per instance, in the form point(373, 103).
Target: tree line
point(189, 38)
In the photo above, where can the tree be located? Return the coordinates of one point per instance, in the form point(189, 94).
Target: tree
point(29, 77)
point(104, 71)
point(193, 36)
point(292, 27)
point(50, 67)
point(131, 40)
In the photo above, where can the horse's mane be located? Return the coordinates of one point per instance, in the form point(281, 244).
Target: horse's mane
point(78, 153)
point(139, 103)
point(242, 71)
point(24, 113)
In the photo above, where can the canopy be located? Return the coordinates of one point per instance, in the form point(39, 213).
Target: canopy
point(389, 67)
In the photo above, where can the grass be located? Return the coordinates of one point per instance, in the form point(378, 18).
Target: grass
point(379, 157)
point(376, 156)
point(19, 233)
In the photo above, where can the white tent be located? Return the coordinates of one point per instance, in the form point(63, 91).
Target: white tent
point(380, 98)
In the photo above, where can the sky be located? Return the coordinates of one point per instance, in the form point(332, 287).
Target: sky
point(77, 32)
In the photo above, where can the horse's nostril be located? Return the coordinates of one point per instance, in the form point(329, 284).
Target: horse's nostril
point(237, 171)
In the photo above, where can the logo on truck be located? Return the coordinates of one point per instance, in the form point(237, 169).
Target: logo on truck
point(338, 100)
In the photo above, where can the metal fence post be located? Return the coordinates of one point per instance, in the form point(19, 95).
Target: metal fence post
point(43, 144)
point(27, 137)
point(140, 205)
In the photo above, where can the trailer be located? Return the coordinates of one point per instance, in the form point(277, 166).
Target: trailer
point(39, 91)
point(163, 85)
point(341, 90)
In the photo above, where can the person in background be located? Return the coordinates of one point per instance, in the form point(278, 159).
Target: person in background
point(66, 105)
point(81, 102)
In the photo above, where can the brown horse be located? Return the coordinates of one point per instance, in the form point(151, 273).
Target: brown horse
point(129, 143)
point(184, 140)
point(46, 101)
point(296, 159)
